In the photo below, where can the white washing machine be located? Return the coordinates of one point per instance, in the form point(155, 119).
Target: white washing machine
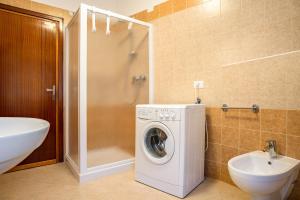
point(170, 147)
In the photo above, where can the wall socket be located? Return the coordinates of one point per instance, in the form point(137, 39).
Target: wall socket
point(198, 84)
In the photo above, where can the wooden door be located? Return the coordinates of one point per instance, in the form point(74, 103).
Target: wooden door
point(30, 69)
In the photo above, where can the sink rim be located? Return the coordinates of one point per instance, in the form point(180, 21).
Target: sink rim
point(293, 165)
point(34, 127)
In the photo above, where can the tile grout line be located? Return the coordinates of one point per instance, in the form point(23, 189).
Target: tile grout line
point(221, 141)
point(286, 122)
point(260, 134)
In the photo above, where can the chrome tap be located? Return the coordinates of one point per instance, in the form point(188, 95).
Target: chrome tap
point(271, 147)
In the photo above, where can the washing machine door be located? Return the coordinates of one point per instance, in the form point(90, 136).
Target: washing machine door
point(158, 143)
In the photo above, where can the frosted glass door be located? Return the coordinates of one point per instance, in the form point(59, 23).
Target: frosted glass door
point(118, 79)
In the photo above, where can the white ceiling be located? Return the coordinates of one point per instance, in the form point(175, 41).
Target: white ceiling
point(125, 7)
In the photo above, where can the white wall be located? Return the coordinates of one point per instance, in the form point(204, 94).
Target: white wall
point(125, 7)
point(129, 7)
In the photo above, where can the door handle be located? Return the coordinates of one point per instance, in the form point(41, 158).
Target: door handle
point(53, 90)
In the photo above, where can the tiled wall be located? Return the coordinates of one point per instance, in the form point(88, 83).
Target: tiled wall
point(38, 7)
point(246, 51)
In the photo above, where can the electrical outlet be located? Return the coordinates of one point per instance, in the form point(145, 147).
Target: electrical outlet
point(198, 84)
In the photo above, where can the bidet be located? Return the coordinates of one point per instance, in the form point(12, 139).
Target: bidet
point(263, 177)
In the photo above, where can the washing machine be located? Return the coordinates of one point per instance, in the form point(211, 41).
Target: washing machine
point(170, 147)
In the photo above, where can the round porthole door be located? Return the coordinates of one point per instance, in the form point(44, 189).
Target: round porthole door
point(158, 144)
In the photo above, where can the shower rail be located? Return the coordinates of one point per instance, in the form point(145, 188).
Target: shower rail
point(113, 14)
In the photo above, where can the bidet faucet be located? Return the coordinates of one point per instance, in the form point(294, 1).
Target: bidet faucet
point(271, 148)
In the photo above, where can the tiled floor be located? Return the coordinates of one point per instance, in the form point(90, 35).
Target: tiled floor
point(56, 182)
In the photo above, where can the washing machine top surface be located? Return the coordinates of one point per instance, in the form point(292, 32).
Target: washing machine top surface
point(163, 112)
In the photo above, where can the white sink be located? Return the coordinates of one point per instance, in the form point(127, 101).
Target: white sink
point(264, 178)
point(19, 137)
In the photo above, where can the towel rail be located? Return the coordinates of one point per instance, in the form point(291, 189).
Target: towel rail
point(254, 108)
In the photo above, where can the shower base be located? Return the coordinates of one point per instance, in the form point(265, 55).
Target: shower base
point(102, 162)
point(103, 156)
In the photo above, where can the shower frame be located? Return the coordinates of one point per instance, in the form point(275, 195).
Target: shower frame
point(81, 171)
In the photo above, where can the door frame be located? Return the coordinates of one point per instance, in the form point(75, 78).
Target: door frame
point(59, 82)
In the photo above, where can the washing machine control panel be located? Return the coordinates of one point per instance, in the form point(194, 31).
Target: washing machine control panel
point(145, 113)
point(159, 114)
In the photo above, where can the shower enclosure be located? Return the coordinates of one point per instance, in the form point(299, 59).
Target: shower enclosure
point(108, 71)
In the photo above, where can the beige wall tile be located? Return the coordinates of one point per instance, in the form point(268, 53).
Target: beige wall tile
point(253, 40)
point(230, 137)
point(208, 9)
point(249, 139)
point(213, 116)
point(165, 8)
point(249, 83)
point(292, 80)
point(249, 120)
point(230, 22)
point(230, 88)
point(191, 3)
point(279, 36)
point(227, 153)
point(143, 15)
point(277, 9)
point(179, 5)
point(293, 125)
point(293, 93)
point(243, 151)
point(212, 169)
point(154, 14)
point(252, 11)
point(211, 95)
point(224, 174)
point(229, 6)
point(230, 47)
point(295, 8)
point(272, 75)
point(273, 120)
point(213, 152)
point(293, 146)
point(230, 118)
point(214, 134)
point(295, 23)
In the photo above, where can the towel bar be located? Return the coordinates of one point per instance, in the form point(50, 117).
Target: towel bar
point(254, 108)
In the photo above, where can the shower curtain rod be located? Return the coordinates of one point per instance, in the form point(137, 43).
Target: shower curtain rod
point(113, 14)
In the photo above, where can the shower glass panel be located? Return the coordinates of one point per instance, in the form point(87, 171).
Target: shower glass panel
point(73, 83)
point(117, 80)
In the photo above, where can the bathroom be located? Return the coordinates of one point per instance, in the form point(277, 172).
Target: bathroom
point(113, 55)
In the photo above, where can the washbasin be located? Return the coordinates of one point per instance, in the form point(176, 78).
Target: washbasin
point(19, 137)
point(264, 178)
